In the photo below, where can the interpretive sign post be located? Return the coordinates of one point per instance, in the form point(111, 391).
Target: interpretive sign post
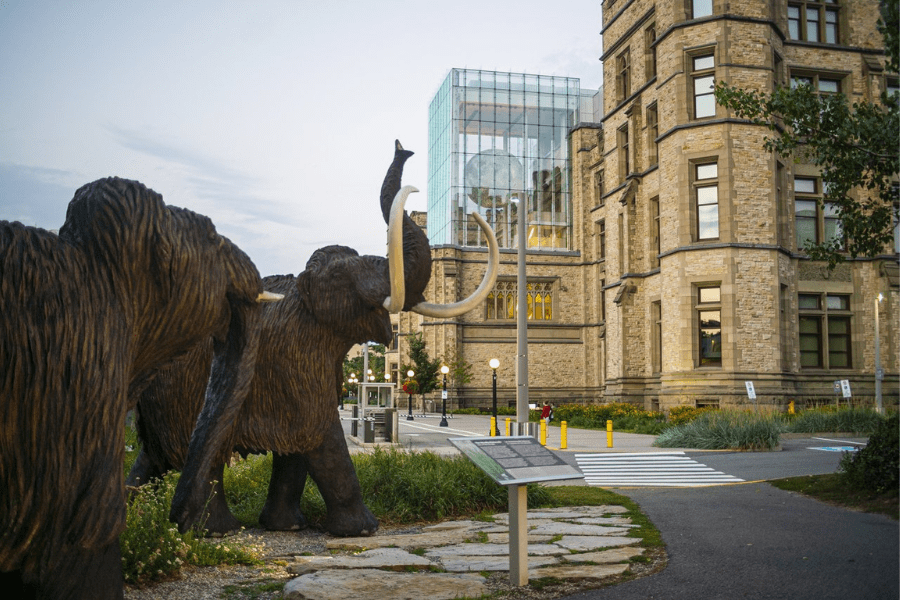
point(515, 462)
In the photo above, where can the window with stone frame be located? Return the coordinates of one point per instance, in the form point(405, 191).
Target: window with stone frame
point(652, 134)
point(779, 77)
point(892, 85)
point(599, 188)
point(655, 245)
point(825, 323)
point(815, 220)
point(703, 81)
point(601, 239)
point(656, 337)
point(700, 8)
point(709, 319)
point(821, 83)
point(650, 51)
point(624, 152)
point(502, 301)
point(705, 181)
point(814, 21)
point(623, 75)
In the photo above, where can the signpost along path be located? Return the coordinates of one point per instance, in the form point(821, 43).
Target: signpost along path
point(515, 462)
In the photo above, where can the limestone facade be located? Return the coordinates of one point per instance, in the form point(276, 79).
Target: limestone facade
point(685, 280)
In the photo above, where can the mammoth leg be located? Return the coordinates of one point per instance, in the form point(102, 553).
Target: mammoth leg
point(81, 574)
point(333, 471)
point(282, 510)
point(219, 519)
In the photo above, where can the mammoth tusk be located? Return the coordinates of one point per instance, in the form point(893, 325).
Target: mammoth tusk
point(490, 277)
point(394, 302)
point(269, 297)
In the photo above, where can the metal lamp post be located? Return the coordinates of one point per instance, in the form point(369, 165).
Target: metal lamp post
point(444, 370)
point(494, 363)
point(879, 372)
point(410, 374)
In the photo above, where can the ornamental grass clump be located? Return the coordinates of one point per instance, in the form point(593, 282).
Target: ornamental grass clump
point(404, 487)
point(725, 430)
point(830, 418)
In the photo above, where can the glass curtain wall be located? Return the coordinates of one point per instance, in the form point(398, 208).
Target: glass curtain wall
point(498, 141)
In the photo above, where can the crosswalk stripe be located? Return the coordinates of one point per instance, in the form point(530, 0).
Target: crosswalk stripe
point(650, 469)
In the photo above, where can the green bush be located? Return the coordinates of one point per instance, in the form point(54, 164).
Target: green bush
point(877, 466)
point(152, 548)
point(679, 415)
point(625, 417)
point(723, 430)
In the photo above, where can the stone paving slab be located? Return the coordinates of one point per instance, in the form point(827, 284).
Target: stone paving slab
point(380, 558)
point(474, 564)
point(586, 543)
point(578, 571)
point(419, 540)
point(491, 550)
point(384, 585)
point(503, 538)
point(610, 555)
point(563, 528)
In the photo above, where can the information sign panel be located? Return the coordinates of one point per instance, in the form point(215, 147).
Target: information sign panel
point(515, 460)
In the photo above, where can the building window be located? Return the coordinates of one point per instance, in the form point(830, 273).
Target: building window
point(624, 162)
point(785, 307)
point(703, 76)
point(603, 300)
point(652, 134)
point(706, 194)
point(623, 75)
point(701, 8)
point(656, 340)
point(650, 51)
point(892, 86)
point(502, 301)
point(825, 331)
point(654, 232)
point(778, 73)
point(601, 239)
point(821, 84)
point(599, 189)
point(709, 318)
point(816, 221)
point(813, 21)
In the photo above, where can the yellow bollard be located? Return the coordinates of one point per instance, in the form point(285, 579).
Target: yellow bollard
point(543, 432)
point(493, 426)
point(508, 426)
point(791, 407)
point(563, 435)
point(609, 434)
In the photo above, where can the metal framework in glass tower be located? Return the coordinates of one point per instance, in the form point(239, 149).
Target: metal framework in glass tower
point(497, 140)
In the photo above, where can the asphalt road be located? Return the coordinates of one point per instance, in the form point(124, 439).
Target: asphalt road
point(756, 541)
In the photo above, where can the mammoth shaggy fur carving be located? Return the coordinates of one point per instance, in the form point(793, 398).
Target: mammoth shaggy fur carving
point(337, 301)
point(88, 317)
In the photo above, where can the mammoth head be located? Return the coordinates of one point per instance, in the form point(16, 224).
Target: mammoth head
point(353, 294)
point(409, 255)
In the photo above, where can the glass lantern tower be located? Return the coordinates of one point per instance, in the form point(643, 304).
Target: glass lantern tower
point(498, 141)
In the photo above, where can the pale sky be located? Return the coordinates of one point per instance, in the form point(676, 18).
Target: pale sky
point(274, 118)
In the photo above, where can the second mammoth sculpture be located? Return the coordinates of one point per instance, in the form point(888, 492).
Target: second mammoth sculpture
point(339, 300)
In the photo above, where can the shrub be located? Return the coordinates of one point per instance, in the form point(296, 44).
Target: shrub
point(625, 417)
point(876, 467)
point(680, 415)
point(153, 549)
point(723, 430)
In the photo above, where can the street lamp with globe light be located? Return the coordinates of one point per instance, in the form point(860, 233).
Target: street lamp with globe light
point(444, 370)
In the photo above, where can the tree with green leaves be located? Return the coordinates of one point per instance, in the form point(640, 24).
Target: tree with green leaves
point(856, 147)
point(425, 368)
point(460, 370)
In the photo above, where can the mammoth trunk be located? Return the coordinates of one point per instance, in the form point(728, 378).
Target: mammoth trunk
point(416, 252)
point(229, 382)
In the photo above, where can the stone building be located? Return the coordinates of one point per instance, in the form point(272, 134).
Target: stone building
point(664, 244)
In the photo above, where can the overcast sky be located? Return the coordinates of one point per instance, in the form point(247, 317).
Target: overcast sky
point(274, 118)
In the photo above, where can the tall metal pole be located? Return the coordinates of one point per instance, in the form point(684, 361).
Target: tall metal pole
point(879, 373)
point(494, 409)
point(443, 422)
point(522, 325)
